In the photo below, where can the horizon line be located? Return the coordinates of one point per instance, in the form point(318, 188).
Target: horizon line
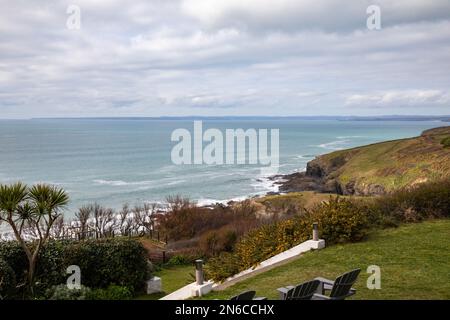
point(310, 117)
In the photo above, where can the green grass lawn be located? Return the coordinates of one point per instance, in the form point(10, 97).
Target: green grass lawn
point(414, 261)
point(173, 278)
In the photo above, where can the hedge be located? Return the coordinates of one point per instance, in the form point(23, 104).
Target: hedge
point(121, 262)
point(7, 280)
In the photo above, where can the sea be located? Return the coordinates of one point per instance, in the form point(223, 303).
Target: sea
point(128, 161)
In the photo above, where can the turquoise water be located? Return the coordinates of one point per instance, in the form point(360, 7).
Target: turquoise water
point(113, 162)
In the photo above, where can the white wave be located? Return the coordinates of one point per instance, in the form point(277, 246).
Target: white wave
point(120, 183)
point(334, 145)
point(264, 184)
point(172, 183)
point(209, 202)
point(305, 156)
point(350, 137)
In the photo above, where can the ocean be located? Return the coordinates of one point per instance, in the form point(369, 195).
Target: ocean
point(118, 161)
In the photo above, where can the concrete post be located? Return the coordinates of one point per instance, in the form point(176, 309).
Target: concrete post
point(315, 231)
point(199, 271)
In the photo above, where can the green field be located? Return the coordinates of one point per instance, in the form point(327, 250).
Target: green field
point(414, 261)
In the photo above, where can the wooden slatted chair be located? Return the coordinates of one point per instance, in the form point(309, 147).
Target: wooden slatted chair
point(303, 291)
point(340, 288)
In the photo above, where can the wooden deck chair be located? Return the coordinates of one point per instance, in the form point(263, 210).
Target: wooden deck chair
point(303, 291)
point(340, 288)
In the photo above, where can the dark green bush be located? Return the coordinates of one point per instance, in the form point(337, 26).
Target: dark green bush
point(7, 280)
point(446, 142)
point(49, 270)
point(102, 263)
point(178, 260)
point(51, 266)
point(12, 253)
point(113, 292)
point(62, 292)
point(119, 261)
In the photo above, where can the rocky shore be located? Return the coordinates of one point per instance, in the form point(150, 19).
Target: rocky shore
point(317, 177)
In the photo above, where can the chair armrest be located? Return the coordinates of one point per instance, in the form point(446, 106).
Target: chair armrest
point(325, 281)
point(284, 292)
point(317, 296)
point(325, 284)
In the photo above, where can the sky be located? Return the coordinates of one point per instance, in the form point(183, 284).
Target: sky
point(223, 57)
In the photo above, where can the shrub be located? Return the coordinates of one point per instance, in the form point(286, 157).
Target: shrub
point(426, 201)
point(185, 220)
point(14, 256)
point(222, 266)
point(7, 280)
point(341, 220)
point(178, 260)
point(113, 292)
point(50, 266)
point(102, 262)
point(216, 241)
point(62, 292)
point(446, 142)
point(256, 245)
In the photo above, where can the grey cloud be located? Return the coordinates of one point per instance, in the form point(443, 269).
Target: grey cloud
point(297, 15)
point(163, 58)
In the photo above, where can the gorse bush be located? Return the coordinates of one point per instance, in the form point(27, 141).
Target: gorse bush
point(340, 220)
point(222, 266)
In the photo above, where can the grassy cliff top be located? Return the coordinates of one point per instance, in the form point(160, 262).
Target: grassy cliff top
point(392, 164)
point(413, 260)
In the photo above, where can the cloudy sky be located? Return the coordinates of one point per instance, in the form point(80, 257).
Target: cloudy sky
point(223, 57)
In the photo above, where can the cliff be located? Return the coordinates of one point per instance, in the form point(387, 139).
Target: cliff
point(377, 168)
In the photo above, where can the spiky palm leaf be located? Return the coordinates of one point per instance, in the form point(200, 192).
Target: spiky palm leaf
point(48, 199)
point(11, 196)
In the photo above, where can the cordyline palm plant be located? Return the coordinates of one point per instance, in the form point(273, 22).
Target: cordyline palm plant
point(38, 208)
